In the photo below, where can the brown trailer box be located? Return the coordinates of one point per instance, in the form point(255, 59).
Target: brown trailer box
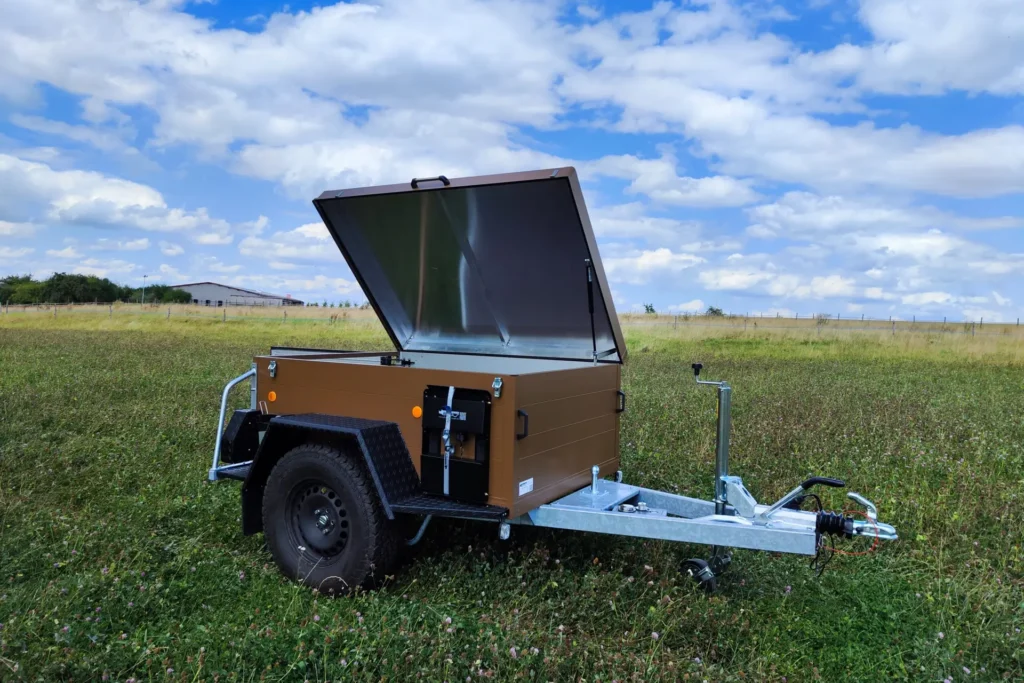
point(492, 285)
point(566, 418)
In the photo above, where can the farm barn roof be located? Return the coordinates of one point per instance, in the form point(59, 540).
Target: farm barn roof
point(250, 292)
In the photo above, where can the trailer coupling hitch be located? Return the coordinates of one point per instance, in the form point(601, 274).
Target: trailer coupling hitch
point(844, 525)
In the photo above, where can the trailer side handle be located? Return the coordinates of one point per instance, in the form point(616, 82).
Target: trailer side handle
point(526, 424)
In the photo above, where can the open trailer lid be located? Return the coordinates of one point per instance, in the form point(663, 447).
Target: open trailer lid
point(491, 265)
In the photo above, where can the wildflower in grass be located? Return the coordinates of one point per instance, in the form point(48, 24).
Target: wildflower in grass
point(131, 604)
point(789, 589)
point(655, 635)
point(344, 663)
point(97, 609)
point(967, 671)
point(74, 552)
point(941, 635)
point(241, 576)
point(448, 620)
point(105, 571)
point(513, 653)
point(696, 660)
point(169, 671)
point(534, 651)
point(316, 617)
point(124, 636)
point(106, 676)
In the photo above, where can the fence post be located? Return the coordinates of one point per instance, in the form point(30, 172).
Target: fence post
point(168, 312)
point(981, 323)
point(972, 329)
point(55, 310)
point(110, 312)
point(893, 326)
point(675, 322)
point(225, 318)
point(286, 316)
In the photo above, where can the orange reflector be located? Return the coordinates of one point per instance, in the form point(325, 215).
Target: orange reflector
point(272, 396)
point(417, 411)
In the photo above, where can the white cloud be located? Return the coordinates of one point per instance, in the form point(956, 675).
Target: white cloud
point(172, 275)
point(785, 285)
point(927, 298)
point(657, 179)
point(104, 140)
point(89, 198)
point(306, 242)
point(935, 46)
point(632, 221)
point(804, 214)
point(694, 306)
point(1001, 300)
point(8, 229)
point(12, 254)
point(140, 244)
point(639, 266)
point(877, 294)
point(171, 249)
point(67, 252)
point(213, 264)
point(733, 279)
point(104, 268)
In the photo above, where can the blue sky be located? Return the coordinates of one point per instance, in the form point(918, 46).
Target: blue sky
point(825, 156)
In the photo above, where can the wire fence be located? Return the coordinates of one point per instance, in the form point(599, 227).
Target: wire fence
point(308, 314)
point(820, 324)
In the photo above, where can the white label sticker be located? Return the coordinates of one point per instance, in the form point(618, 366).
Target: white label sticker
point(525, 486)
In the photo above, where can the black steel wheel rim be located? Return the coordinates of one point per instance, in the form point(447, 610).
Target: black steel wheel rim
point(318, 518)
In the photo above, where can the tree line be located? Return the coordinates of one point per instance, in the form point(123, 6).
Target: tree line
point(66, 288)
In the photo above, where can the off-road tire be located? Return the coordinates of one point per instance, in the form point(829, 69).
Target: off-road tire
point(364, 543)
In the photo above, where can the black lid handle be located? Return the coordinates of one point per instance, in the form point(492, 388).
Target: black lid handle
point(417, 181)
point(697, 367)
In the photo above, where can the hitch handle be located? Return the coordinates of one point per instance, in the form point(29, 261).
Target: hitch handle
point(824, 481)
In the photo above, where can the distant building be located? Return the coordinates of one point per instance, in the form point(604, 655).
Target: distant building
point(214, 294)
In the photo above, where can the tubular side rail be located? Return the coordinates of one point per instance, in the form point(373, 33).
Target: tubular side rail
point(216, 467)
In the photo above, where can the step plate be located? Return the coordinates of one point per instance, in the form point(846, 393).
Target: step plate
point(439, 506)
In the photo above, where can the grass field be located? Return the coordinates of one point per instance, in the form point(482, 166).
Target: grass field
point(118, 559)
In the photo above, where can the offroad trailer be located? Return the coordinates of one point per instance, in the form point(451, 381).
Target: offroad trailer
point(499, 403)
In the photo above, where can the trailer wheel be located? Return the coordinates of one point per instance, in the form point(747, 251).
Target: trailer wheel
point(324, 523)
point(699, 571)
